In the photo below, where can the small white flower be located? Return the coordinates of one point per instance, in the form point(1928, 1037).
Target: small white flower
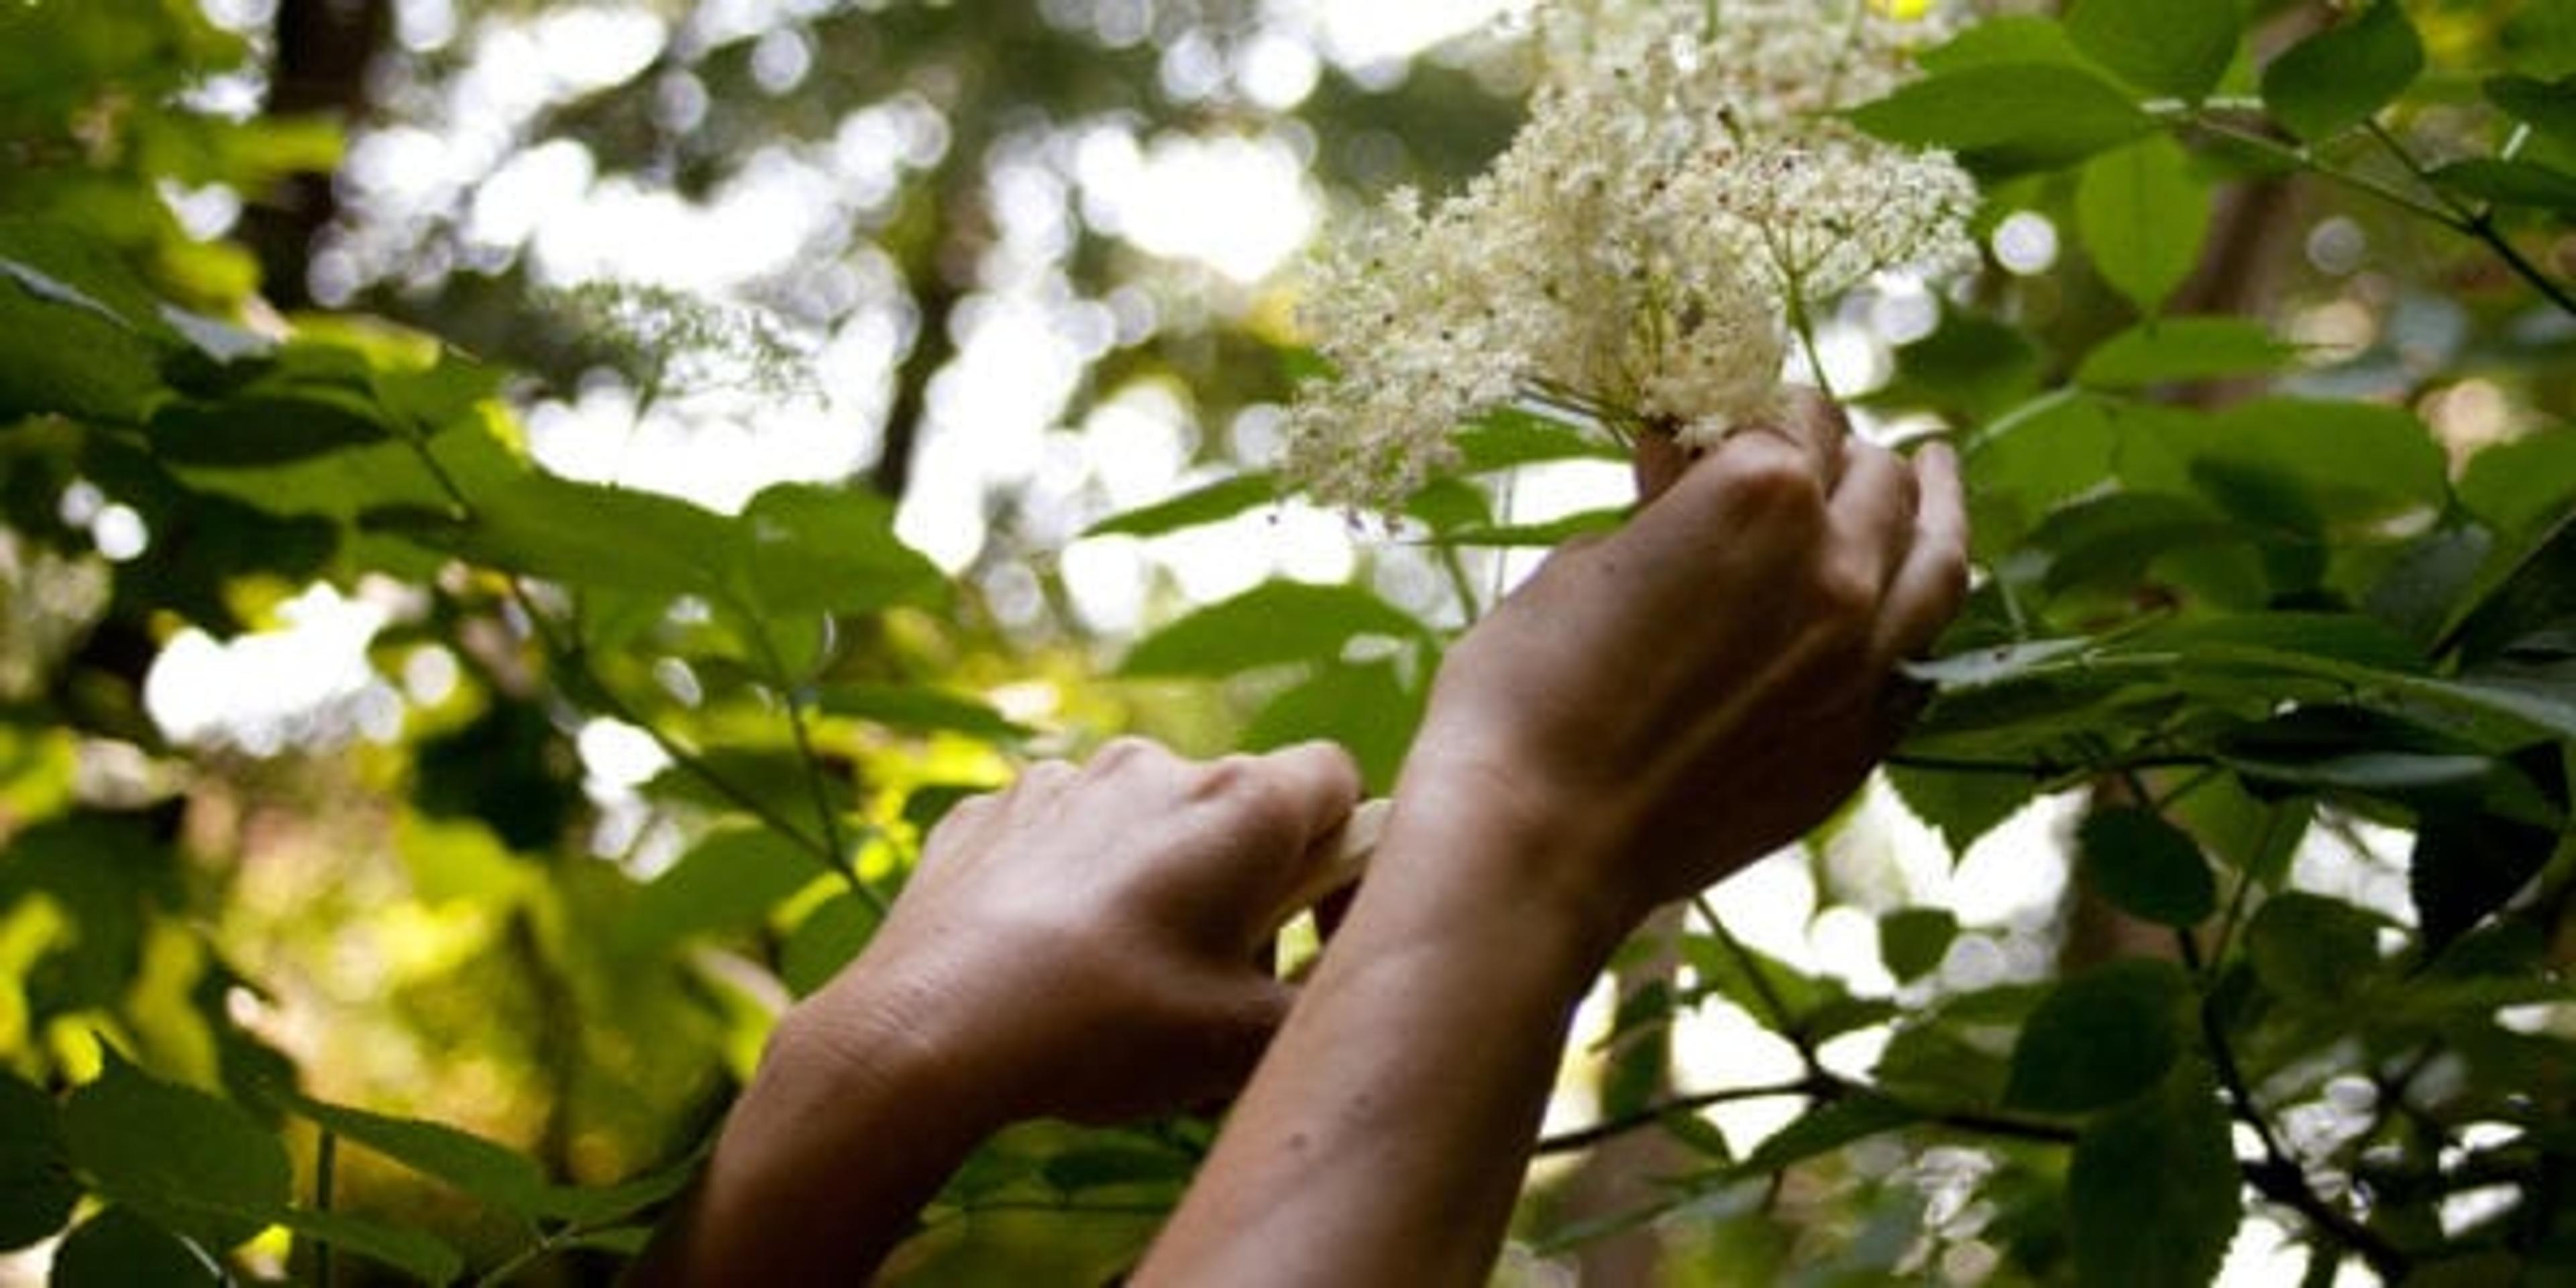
point(1684, 184)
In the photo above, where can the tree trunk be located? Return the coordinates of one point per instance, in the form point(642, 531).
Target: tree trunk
point(324, 48)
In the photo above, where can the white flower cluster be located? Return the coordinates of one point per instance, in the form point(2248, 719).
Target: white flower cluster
point(1683, 192)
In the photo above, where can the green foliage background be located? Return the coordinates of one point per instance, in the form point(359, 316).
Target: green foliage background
point(2253, 578)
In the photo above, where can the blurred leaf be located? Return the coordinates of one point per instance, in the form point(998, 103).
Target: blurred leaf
point(1912, 941)
point(72, 341)
point(2185, 350)
point(1535, 536)
point(36, 1187)
point(2008, 116)
point(2547, 106)
point(823, 549)
point(2153, 1192)
point(1271, 624)
point(2147, 867)
point(828, 939)
point(2004, 39)
point(2511, 183)
point(417, 1253)
point(915, 708)
point(1367, 708)
point(488, 1171)
point(1829, 1126)
point(2143, 215)
point(579, 535)
point(187, 1160)
point(2100, 1037)
point(1500, 440)
point(2339, 77)
point(2468, 864)
point(1971, 368)
point(2520, 485)
point(119, 1249)
point(2177, 48)
point(2312, 951)
point(730, 879)
point(1216, 502)
point(268, 424)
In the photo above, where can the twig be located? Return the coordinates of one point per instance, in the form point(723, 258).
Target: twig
point(1583, 1138)
point(2478, 223)
point(1782, 1021)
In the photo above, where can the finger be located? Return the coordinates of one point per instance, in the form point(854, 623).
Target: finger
point(1812, 423)
point(1335, 862)
point(1873, 520)
point(1932, 583)
point(1318, 781)
point(1659, 462)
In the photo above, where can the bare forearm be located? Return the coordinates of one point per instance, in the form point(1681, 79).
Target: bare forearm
point(823, 1165)
point(1385, 1136)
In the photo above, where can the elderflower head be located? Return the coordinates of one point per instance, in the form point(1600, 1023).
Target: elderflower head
point(1681, 195)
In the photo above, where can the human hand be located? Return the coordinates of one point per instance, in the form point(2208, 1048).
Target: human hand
point(1086, 944)
point(1674, 700)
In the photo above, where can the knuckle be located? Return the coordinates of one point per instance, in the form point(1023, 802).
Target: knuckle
point(1774, 477)
point(1124, 751)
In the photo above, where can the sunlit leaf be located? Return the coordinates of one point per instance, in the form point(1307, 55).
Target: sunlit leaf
point(915, 708)
point(1278, 622)
point(1213, 503)
point(2172, 47)
point(727, 881)
point(2009, 116)
point(2183, 350)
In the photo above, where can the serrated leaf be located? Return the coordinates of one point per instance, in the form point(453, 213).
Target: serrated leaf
point(2008, 116)
point(2145, 218)
point(725, 882)
point(2172, 47)
point(2100, 1038)
point(2548, 107)
point(2312, 951)
point(2337, 78)
point(2184, 350)
point(36, 1187)
point(2153, 1194)
point(185, 1159)
point(2147, 867)
point(917, 708)
point(1213, 503)
point(1272, 624)
point(1912, 941)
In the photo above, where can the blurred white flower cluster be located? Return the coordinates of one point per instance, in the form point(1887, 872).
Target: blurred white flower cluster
point(1683, 196)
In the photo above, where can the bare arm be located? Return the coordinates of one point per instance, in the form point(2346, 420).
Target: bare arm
point(1652, 712)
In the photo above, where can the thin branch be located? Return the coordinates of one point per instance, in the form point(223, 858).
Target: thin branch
point(2303, 159)
point(1782, 1021)
point(1582, 1138)
point(834, 842)
point(2478, 223)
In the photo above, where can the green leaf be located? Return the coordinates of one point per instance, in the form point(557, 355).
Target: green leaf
point(2516, 487)
point(827, 549)
point(417, 1253)
point(75, 339)
point(2145, 217)
point(1367, 708)
point(1913, 941)
point(2153, 1194)
point(269, 424)
point(492, 1173)
point(915, 708)
point(828, 939)
point(2147, 867)
point(1271, 624)
point(1093, 1167)
point(2006, 39)
point(2339, 77)
point(579, 535)
point(729, 880)
point(1961, 806)
point(2548, 107)
point(1500, 440)
point(600, 1205)
point(2468, 864)
point(185, 1159)
point(119, 1249)
point(2312, 951)
point(1214, 503)
point(2178, 48)
point(1970, 368)
point(1828, 1127)
point(1534, 536)
point(2009, 116)
point(36, 1187)
point(2511, 183)
point(2184, 350)
point(2100, 1038)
